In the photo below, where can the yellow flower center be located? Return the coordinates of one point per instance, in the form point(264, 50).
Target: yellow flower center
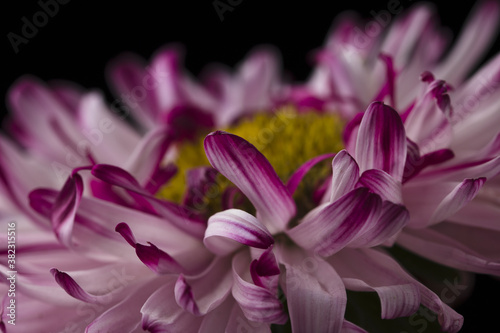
point(287, 138)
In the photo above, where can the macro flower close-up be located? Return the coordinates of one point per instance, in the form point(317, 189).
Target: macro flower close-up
point(358, 194)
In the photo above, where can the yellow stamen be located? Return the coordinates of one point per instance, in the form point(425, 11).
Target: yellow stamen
point(287, 139)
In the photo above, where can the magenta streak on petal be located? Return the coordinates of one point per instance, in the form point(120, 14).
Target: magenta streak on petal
point(71, 287)
point(154, 258)
point(296, 178)
point(65, 207)
point(251, 172)
point(381, 142)
point(184, 296)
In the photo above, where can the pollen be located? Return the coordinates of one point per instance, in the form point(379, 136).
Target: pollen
point(287, 138)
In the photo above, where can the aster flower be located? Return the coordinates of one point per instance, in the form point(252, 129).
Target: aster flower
point(232, 205)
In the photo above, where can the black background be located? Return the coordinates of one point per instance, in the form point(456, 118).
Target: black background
point(83, 36)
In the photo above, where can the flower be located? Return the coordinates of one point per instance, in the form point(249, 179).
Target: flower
point(249, 204)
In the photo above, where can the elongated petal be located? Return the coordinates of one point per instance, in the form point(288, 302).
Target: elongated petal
point(381, 142)
point(428, 122)
point(466, 248)
point(252, 173)
point(458, 198)
point(316, 299)
point(144, 160)
point(369, 270)
point(131, 80)
point(330, 227)
point(345, 175)
point(257, 303)
point(156, 260)
point(65, 207)
point(228, 228)
point(72, 287)
point(472, 42)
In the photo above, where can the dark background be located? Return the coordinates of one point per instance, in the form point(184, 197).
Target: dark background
point(83, 36)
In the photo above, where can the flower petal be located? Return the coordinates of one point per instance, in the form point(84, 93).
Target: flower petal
point(65, 207)
point(130, 79)
point(257, 303)
point(160, 313)
point(230, 227)
point(467, 248)
point(265, 270)
point(330, 227)
point(370, 270)
point(473, 41)
point(345, 175)
point(392, 219)
point(381, 142)
point(125, 316)
point(72, 287)
point(383, 184)
point(203, 293)
point(251, 172)
point(154, 258)
point(316, 298)
point(458, 198)
point(296, 178)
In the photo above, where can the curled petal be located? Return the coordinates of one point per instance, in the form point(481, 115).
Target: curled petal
point(154, 258)
point(257, 303)
point(234, 225)
point(345, 175)
point(65, 207)
point(72, 287)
